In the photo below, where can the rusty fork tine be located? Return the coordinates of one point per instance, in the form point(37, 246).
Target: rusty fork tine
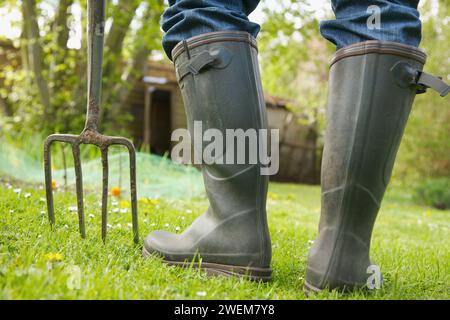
point(104, 192)
point(67, 138)
point(79, 187)
point(132, 154)
point(48, 179)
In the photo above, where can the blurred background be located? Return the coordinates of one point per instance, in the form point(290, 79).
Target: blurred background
point(43, 87)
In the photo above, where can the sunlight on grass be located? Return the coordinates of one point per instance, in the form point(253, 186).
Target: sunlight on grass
point(410, 244)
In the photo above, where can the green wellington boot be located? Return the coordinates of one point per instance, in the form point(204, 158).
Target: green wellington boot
point(371, 91)
point(220, 83)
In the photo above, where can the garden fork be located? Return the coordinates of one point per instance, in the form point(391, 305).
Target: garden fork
point(90, 135)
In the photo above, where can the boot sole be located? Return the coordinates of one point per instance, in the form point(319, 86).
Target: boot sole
point(215, 269)
point(309, 289)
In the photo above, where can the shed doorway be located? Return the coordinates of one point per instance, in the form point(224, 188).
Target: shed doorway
point(157, 124)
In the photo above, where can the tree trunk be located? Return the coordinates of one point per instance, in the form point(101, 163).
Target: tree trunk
point(61, 32)
point(60, 27)
point(35, 52)
point(140, 56)
point(4, 108)
point(124, 13)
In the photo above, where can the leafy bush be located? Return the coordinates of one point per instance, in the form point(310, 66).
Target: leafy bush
point(435, 193)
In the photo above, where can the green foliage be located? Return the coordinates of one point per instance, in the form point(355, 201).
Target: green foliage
point(294, 63)
point(133, 35)
point(295, 60)
point(424, 152)
point(434, 193)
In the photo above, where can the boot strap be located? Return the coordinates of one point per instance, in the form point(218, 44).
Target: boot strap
point(426, 80)
point(216, 57)
point(406, 76)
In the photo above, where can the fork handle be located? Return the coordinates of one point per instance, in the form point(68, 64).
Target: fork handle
point(95, 33)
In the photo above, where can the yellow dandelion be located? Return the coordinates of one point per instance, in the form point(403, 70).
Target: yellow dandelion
point(54, 185)
point(124, 204)
point(54, 257)
point(273, 196)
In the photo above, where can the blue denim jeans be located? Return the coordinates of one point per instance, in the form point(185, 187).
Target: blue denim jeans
point(355, 20)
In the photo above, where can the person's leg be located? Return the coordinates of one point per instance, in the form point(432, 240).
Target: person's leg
point(217, 69)
point(357, 21)
point(372, 86)
point(185, 19)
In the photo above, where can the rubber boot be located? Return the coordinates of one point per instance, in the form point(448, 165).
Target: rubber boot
point(220, 84)
point(372, 86)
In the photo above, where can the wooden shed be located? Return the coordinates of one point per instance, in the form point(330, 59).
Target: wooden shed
point(157, 109)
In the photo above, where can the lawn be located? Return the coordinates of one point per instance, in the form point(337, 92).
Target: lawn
point(410, 244)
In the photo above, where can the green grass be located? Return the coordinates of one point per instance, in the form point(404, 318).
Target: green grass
point(410, 244)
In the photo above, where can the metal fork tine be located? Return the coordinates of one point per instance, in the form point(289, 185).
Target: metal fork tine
point(132, 153)
point(79, 187)
point(104, 192)
point(48, 180)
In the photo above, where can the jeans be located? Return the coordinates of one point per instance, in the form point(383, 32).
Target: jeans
point(356, 20)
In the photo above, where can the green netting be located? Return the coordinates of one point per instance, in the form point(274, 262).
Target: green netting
point(156, 176)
